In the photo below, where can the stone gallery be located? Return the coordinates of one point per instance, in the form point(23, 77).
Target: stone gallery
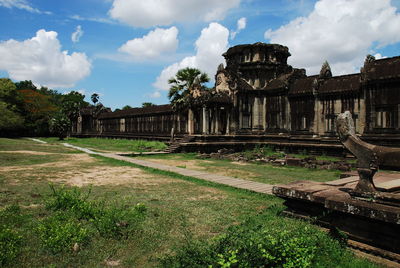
point(259, 98)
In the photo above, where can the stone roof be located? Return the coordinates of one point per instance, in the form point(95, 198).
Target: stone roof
point(388, 68)
point(240, 48)
point(278, 83)
point(87, 110)
point(303, 86)
point(156, 109)
point(343, 83)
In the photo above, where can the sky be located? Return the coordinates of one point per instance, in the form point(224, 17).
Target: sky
point(126, 50)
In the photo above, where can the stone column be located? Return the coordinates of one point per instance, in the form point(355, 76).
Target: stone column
point(205, 121)
point(256, 115)
point(265, 114)
point(190, 122)
point(216, 121)
point(240, 107)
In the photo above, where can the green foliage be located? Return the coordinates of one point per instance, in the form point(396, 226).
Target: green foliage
point(59, 125)
point(71, 103)
point(112, 221)
point(94, 98)
point(10, 239)
point(60, 232)
point(119, 222)
point(26, 84)
point(10, 245)
point(73, 200)
point(9, 119)
point(145, 104)
point(266, 240)
point(184, 85)
point(258, 152)
point(126, 107)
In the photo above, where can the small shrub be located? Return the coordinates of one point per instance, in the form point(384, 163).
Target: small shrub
point(71, 199)
point(109, 221)
point(118, 222)
point(60, 232)
point(266, 240)
point(10, 245)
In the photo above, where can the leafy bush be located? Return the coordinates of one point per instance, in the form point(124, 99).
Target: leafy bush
point(266, 241)
point(10, 237)
point(73, 200)
point(109, 221)
point(60, 232)
point(117, 222)
point(10, 245)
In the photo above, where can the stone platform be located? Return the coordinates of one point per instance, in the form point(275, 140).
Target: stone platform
point(330, 205)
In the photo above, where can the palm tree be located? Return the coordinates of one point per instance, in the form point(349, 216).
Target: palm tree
point(94, 98)
point(184, 81)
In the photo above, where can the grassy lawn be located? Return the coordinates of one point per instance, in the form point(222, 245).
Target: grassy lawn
point(176, 209)
point(111, 213)
point(112, 145)
point(265, 173)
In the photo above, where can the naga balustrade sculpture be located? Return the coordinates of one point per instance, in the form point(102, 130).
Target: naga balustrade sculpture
point(369, 157)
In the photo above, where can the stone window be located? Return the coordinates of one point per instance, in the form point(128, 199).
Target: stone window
point(385, 118)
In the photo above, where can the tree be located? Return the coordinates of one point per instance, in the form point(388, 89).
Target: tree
point(147, 104)
point(27, 84)
point(126, 107)
point(94, 98)
point(10, 95)
point(59, 125)
point(71, 104)
point(183, 86)
point(9, 120)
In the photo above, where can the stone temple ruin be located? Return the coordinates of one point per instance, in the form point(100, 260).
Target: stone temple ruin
point(365, 207)
point(259, 99)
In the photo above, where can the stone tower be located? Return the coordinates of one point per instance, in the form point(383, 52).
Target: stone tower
point(258, 63)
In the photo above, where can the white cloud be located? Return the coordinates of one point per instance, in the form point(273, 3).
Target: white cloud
point(21, 4)
point(341, 31)
point(241, 25)
point(77, 34)
point(152, 45)
point(155, 95)
point(149, 13)
point(99, 20)
point(212, 42)
point(41, 60)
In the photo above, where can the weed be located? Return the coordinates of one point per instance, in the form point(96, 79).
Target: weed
point(60, 232)
point(118, 222)
point(10, 244)
point(266, 240)
point(110, 221)
point(71, 199)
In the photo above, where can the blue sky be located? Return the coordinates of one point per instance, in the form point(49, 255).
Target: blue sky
point(125, 50)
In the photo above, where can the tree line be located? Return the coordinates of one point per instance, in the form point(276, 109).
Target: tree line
point(26, 110)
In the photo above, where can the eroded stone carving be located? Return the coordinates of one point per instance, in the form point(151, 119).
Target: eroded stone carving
point(369, 157)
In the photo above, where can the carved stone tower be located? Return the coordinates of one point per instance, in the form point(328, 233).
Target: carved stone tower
point(258, 63)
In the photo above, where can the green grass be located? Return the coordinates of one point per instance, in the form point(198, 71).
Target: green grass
point(29, 145)
point(178, 209)
point(265, 173)
point(115, 145)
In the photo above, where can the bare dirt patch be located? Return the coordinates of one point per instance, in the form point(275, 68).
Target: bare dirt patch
point(69, 160)
point(109, 176)
point(28, 152)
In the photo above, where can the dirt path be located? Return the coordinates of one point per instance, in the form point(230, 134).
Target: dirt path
point(202, 175)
